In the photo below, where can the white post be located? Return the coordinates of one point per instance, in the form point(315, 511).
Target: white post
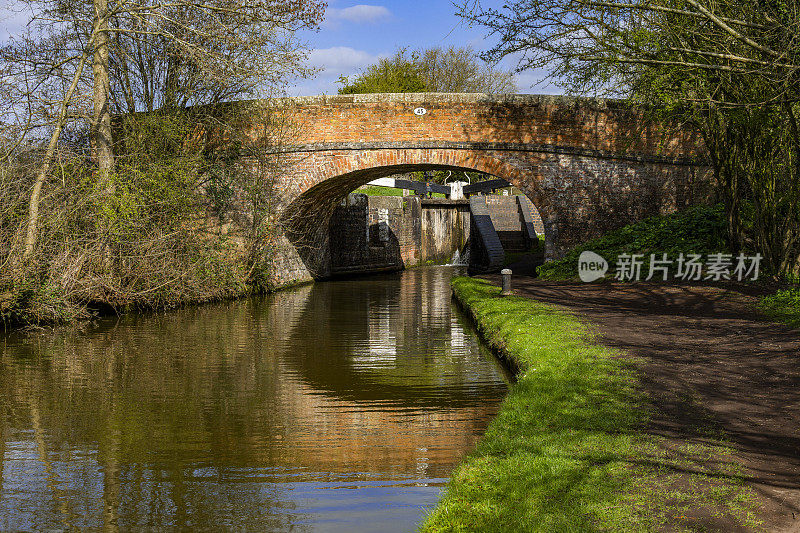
point(457, 190)
point(506, 273)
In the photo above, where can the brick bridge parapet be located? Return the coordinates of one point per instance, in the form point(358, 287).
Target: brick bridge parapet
point(588, 165)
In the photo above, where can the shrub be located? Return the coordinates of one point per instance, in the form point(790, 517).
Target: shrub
point(700, 230)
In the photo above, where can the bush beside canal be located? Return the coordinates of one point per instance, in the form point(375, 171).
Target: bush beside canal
point(700, 230)
point(177, 222)
point(568, 450)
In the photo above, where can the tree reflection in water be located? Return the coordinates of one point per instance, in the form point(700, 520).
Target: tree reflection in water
point(342, 404)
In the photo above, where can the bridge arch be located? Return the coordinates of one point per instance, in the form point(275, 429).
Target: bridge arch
point(332, 175)
point(588, 165)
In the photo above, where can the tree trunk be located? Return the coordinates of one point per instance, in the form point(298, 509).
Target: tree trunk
point(102, 140)
point(44, 170)
point(101, 135)
point(171, 84)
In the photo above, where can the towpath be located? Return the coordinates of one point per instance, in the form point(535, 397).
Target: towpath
point(711, 365)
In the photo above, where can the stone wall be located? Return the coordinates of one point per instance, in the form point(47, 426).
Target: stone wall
point(445, 229)
point(380, 233)
point(374, 233)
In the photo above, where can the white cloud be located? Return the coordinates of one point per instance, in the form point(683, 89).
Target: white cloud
point(340, 58)
point(332, 63)
point(359, 14)
point(12, 22)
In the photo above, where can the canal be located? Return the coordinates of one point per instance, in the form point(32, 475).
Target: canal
point(338, 406)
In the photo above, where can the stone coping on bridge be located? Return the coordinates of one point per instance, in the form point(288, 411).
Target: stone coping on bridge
point(456, 98)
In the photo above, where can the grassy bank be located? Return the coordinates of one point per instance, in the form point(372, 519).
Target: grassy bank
point(783, 306)
point(374, 190)
point(567, 451)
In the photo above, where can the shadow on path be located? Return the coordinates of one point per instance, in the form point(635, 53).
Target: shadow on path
point(712, 367)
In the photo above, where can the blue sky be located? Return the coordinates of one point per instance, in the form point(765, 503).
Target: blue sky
point(355, 35)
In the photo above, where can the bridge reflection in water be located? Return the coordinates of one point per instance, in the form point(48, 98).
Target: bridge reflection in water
point(341, 406)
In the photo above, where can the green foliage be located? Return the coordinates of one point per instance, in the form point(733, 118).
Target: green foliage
point(568, 451)
point(147, 138)
point(461, 70)
point(33, 300)
point(370, 190)
point(158, 176)
point(155, 188)
point(698, 230)
point(783, 306)
point(398, 74)
point(141, 239)
point(436, 69)
point(760, 169)
point(689, 70)
point(154, 217)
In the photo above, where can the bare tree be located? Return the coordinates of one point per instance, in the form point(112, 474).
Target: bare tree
point(144, 54)
point(460, 70)
point(437, 69)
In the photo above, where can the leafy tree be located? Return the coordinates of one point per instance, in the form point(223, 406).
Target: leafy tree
point(460, 70)
point(726, 68)
point(398, 74)
point(437, 69)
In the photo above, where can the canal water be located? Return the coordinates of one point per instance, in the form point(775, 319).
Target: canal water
point(338, 406)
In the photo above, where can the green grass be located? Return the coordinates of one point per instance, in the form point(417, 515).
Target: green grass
point(699, 230)
point(567, 451)
point(783, 306)
point(371, 190)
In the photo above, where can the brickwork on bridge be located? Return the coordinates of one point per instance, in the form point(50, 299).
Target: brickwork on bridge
point(588, 165)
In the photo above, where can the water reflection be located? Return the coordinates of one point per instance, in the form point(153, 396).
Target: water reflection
point(337, 406)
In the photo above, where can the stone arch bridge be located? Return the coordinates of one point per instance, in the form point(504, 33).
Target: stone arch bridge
point(588, 165)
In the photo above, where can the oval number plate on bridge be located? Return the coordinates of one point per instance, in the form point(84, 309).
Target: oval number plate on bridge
point(420, 111)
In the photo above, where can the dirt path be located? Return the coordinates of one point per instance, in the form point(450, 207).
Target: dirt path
point(708, 360)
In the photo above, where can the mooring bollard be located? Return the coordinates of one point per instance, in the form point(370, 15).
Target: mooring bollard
point(506, 273)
